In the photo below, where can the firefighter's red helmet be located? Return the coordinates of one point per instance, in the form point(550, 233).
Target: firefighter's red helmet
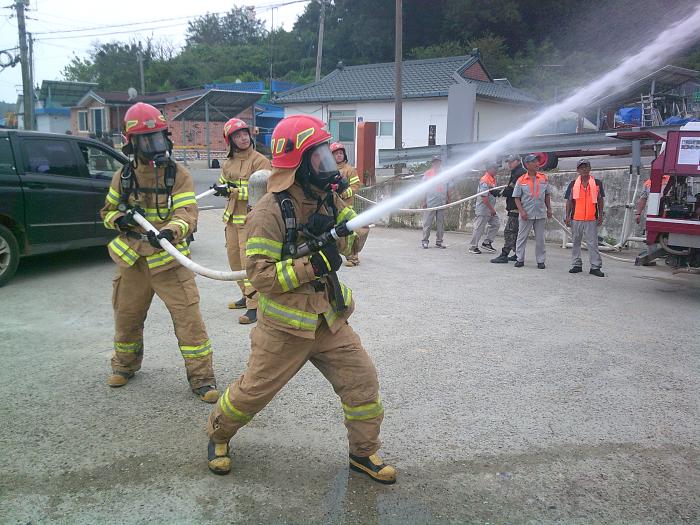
point(142, 118)
point(293, 136)
point(233, 125)
point(336, 146)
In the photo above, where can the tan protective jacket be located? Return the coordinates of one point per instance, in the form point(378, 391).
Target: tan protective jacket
point(350, 174)
point(181, 218)
point(237, 170)
point(288, 299)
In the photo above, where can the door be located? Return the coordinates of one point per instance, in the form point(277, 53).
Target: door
point(100, 164)
point(58, 194)
point(342, 126)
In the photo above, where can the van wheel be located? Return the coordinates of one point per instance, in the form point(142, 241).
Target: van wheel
point(548, 161)
point(9, 255)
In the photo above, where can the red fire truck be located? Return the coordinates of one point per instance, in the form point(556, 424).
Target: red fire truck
point(673, 210)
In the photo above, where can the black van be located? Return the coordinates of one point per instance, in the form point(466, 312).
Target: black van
point(52, 188)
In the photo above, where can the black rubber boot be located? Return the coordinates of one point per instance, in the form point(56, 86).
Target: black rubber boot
point(238, 304)
point(249, 317)
point(374, 467)
point(218, 458)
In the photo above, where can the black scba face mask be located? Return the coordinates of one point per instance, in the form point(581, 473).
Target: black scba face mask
point(154, 147)
point(322, 170)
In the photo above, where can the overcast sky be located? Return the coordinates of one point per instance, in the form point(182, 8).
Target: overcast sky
point(53, 51)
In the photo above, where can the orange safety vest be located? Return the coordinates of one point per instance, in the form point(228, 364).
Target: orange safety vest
point(440, 188)
point(586, 200)
point(526, 180)
point(488, 179)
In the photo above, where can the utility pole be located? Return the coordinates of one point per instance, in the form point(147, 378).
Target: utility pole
point(27, 87)
point(319, 51)
point(31, 78)
point(139, 59)
point(398, 95)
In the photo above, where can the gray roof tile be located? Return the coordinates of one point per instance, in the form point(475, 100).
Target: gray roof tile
point(421, 79)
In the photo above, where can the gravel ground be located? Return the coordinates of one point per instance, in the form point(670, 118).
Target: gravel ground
point(511, 395)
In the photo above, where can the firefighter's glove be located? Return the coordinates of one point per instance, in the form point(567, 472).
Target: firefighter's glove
point(342, 230)
point(125, 221)
point(326, 261)
point(154, 239)
point(221, 190)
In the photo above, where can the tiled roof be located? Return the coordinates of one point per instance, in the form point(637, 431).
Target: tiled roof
point(421, 79)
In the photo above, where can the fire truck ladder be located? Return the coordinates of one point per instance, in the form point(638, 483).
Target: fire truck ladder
point(650, 115)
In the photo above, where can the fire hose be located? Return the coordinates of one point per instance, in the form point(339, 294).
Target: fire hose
point(568, 231)
point(455, 203)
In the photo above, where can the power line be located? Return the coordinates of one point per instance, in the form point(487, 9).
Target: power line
point(137, 30)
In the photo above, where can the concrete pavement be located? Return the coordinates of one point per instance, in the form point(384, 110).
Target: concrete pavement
point(511, 395)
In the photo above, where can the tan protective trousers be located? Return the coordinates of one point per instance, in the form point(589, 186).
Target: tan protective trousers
point(359, 243)
point(276, 356)
point(236, 238)
point(132, 293)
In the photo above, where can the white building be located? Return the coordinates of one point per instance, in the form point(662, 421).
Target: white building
point(480, 107)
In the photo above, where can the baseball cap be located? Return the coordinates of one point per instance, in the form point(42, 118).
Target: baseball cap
point(491, 165)
point(530, 158)
point(583, 161)
point(512, 157)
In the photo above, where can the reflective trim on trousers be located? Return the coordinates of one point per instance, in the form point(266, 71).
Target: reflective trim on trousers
point(162, 257)
point(128, 348)
point(193, 352)
point(231, 411)
point(364, 412)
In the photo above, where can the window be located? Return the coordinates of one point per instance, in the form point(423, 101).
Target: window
point(98, 161)
point(53, 157)
point(346, 131)
point(342, 114)
point(82, 121)
point(7, 161)
point(385, 128)
point(97, 121)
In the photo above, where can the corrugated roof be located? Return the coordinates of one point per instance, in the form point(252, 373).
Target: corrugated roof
point(421, 79)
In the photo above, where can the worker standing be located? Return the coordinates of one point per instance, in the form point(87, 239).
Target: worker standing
point(510, 232)
point(355, 182)
point(532, 197)
point(486, 212)
point(153, 185)
point(585, 201)
point(437, 196)
point(303, 306)
point(241, 162)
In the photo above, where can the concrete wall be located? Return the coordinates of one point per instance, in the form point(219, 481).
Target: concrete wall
point(461, 217)
point(53, 123)
point(492, 120)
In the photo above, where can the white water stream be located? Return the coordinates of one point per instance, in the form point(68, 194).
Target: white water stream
point(666, 44)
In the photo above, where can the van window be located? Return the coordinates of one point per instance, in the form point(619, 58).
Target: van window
point(54, 157)
point(7, 160)
point(98, 161)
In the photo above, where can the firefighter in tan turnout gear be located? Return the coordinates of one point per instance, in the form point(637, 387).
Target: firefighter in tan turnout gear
point(349, 173)
point(161, 191)
point(242, 161)
point(303, 306)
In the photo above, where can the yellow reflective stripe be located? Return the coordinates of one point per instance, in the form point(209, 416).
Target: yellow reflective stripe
point(354, 180)
point(109, 218)
point(128, 348)
point(151, 214)
point(348, 193)
point(184, 227)
point(286, 275)
point(349, 243)
point(226, 216)
point(122, 250)
point(243, 193)
point(246, 283)
point(346, 214)
point(231, 411)
point(113, 196)
point(193, 352)
point(183, 199)
point(263, 246)
point(222, 179)
point(332, 314)
point(328, 265)
point(364, 412)
point(162, 257)
point(289, 316)
point(238, 219)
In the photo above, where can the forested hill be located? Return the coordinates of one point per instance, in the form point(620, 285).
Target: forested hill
point(543, 46)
